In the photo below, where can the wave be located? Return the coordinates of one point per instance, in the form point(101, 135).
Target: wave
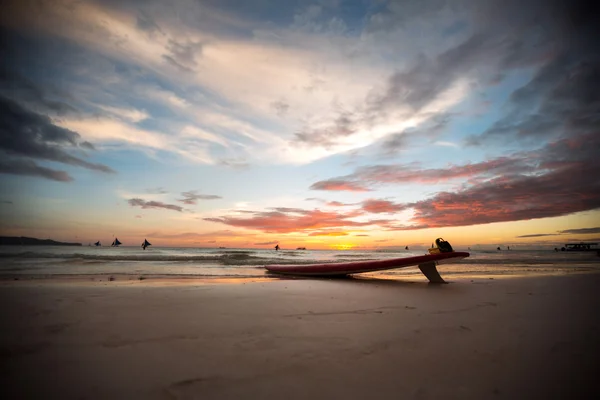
point(134, 257)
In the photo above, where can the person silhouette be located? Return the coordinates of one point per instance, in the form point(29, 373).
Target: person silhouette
point(277, 247)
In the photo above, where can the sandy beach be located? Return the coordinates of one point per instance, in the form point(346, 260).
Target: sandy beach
point(532, 337)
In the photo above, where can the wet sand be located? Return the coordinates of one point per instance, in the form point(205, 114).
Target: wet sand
point(533, 337)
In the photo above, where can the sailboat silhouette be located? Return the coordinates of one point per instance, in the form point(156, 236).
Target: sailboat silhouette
point(116, 243)
point(146, 244)
point(97, 243)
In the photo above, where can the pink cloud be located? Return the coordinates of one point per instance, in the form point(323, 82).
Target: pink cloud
point(280, 222)
point(382, 206)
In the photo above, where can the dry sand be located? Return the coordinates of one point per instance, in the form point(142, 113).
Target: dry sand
point(524, 338)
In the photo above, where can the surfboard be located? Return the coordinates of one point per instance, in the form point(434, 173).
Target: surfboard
point(426, 263)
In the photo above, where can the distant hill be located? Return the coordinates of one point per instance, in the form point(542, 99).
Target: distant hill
point(22, 240)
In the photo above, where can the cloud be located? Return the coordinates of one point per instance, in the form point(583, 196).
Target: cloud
point(537, 235)
point(561, 99)
point(557, 179)
point(45, 99)
point(578, 231)
point(265, 243)
point(128, 114)
point(382, 206)
point(581, 231)
point(280, 107)
point(226, 53)
point(378, 174)
point(157, 190)
point(183, 55)
point(328, 233)
point(330, 203)
point(146, 23)
point(338, 185)
point(28, 134)
point(342, 126)
point(307, 221)
point(30, 168)
point(291, 210)
point(564, 184)
point(192, 197)
point(137, 202)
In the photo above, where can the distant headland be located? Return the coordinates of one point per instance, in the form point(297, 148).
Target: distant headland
point(22, 240)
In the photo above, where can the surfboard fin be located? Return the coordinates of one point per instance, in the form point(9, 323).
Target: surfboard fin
point(430, 271)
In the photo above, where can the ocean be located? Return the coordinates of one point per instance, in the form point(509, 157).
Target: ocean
point(61, 261)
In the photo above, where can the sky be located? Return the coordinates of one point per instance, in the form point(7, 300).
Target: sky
point(326, 124)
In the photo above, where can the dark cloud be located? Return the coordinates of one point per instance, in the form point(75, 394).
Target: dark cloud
point(192, 197)
point(6, 202)
point(137, 202)
point(145, 22)
point(558, 179)
point(43, 99)
point(537, 235)
point(30, 168)
point(430, 129)
point(566, 182)
point(560, 101)
point(87, 145)
point(28, 134)
point(563, 101)
point(563, 97)
point(581, 231)
point(343, 126)
point(183, 55)
point(281, 107)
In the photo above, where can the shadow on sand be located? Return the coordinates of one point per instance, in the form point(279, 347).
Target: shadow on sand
point(362, 280)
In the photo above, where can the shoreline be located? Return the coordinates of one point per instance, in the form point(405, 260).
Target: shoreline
point(412, 276)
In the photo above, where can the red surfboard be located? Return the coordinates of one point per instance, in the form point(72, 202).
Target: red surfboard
point(426, 263)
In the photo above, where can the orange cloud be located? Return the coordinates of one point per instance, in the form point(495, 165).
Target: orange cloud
point(328, 233)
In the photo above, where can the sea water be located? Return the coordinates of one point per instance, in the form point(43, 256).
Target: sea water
point(51, 261)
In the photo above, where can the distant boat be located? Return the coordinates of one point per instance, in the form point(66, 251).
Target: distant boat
point(406, 248)
point(116, 243)
point(301, 248)
point(146, 244)
point(580, 247)
point(97, 243)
